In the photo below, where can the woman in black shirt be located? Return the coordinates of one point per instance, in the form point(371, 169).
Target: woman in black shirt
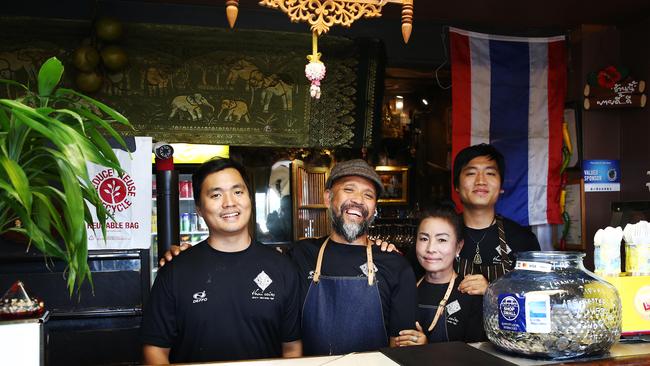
point(444, 313)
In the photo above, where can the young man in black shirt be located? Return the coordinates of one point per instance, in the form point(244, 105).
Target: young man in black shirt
point(357, 298)
point(227, 298)
point(490, 239)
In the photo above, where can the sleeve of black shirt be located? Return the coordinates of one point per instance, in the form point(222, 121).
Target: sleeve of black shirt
point(297, 256)
point(474, 330)
point(532, 240)
point(411, 257)
point(293, 306)
point(403, 302)
point(159, 318)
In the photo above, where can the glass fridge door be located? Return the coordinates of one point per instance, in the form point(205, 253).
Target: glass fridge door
point(193, 229)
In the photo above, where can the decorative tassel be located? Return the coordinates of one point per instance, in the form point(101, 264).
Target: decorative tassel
point(315, 69)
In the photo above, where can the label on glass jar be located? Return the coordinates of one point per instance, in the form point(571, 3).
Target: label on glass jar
point(512, 312)
point(534, 266)
point(538, 312)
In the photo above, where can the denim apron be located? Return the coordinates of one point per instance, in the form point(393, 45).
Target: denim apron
point(435, 317)
point(342, 314)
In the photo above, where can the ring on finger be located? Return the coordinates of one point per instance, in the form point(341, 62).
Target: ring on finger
point(414, 338)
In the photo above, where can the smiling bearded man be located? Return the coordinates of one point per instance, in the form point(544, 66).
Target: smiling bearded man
point(350, 230)
point(356, 297)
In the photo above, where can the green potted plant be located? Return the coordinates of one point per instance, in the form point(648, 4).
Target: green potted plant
point(46, 138)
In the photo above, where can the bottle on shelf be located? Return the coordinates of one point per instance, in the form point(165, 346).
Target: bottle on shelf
point(185, 222)
point(309, 230)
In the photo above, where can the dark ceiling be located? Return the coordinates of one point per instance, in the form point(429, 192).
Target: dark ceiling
point(502, 13)
point(410, 67)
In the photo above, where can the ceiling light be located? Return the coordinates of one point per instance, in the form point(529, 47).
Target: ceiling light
point(399, 102)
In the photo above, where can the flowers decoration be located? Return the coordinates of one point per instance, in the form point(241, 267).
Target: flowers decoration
point(315, 70)
point(608, 76)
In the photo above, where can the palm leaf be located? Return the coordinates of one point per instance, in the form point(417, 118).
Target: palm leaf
point(49, 76)
point(18, 180)
point(46, 140)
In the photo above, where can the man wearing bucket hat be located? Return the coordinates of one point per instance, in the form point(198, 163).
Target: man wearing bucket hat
point(357, 298)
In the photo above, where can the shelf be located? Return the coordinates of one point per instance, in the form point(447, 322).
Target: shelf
point(316, 206)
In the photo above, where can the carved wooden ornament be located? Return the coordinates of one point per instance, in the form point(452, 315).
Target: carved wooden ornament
point(321, 16)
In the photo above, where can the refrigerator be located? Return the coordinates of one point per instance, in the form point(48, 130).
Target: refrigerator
point(98, 326)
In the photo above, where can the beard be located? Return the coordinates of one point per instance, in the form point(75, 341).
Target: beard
point(350, 230)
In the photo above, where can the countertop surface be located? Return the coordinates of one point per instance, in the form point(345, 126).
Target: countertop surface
point(620, 354)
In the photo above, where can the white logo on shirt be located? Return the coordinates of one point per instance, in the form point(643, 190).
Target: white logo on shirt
point(263, 281)
point(364, 268)
point(453, 307)
point(497, 258)
point(199, 297)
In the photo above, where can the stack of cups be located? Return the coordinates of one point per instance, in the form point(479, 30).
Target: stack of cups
point(607, 251)
point(637, 248)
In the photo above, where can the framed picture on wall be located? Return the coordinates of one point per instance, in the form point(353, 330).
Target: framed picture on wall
point(395, 182)
point(575, 207)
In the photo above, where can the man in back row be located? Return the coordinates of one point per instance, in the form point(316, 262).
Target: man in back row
point(491, 240)
point(354, 296)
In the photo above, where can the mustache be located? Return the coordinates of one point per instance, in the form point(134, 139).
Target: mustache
point(349, 205)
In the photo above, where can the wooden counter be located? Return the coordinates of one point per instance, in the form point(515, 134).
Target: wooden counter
point(456, 353)
point(631, 354)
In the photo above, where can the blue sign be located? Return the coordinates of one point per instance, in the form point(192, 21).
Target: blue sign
point(602, 175)
point(512, 312)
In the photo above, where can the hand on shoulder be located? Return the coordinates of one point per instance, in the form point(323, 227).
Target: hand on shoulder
point(385, 246)
point(173, 251)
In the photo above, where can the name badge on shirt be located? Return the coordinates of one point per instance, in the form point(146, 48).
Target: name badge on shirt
point(453, 307)
point(364, 268)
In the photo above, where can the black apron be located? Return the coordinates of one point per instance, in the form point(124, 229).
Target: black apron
point(433, 318)
point(491, 272)
point(343, 314)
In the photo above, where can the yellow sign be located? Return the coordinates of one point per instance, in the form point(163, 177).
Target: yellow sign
point(197, 153)
point(635, 297)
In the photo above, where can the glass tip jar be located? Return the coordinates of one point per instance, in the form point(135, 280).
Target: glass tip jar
point(550, 306)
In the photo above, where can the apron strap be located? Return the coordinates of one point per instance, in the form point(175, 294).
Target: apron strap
point(319, 261)
point(502, 241)
point(371, 265)
point(443, 302)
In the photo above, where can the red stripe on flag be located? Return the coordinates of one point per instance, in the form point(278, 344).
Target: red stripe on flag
point(461, 93)
point(557, 79)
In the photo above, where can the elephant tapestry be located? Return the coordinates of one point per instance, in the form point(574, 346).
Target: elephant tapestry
point(207, 85)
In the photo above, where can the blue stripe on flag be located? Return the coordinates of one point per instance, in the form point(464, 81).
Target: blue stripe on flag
point(510, 69)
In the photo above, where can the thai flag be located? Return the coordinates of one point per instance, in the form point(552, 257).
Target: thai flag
point(509, 92)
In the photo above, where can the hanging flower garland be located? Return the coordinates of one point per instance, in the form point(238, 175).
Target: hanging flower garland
point(321, 15)
point(315, 70)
